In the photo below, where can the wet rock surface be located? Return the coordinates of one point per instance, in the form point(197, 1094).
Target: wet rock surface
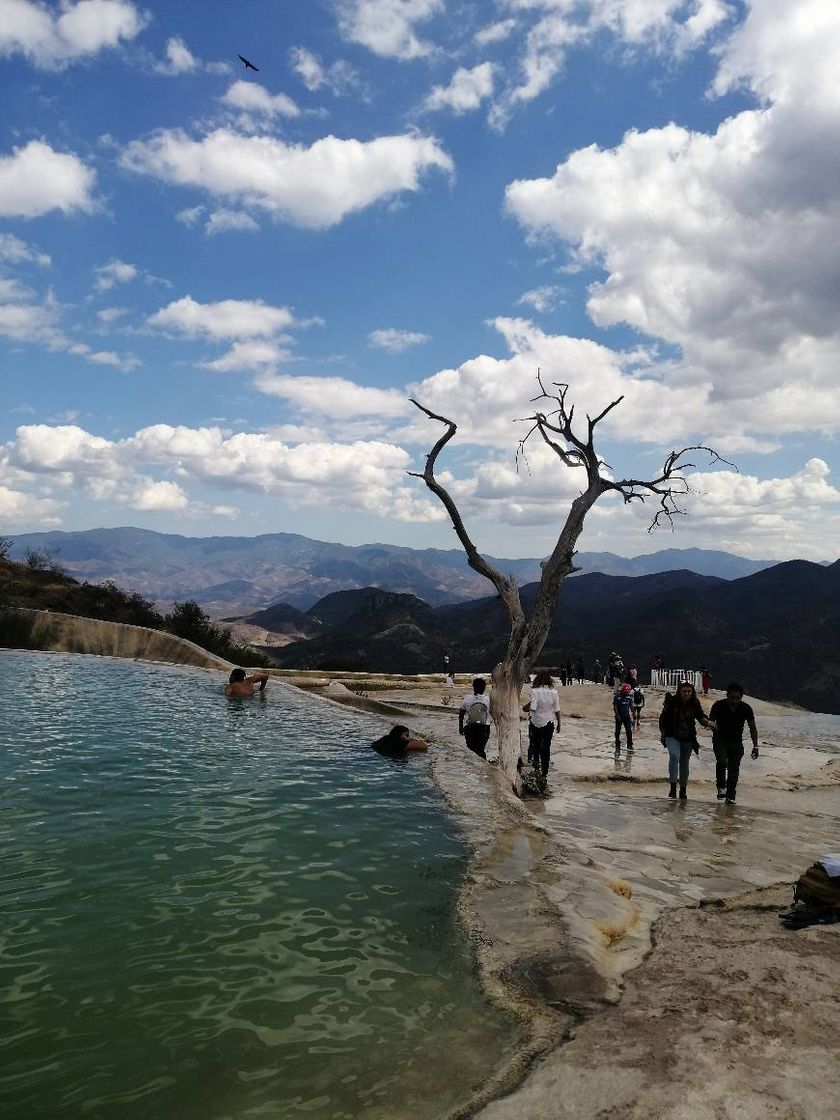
point(647, 930)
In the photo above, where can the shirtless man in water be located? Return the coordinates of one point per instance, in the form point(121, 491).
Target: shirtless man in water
point(241, 685)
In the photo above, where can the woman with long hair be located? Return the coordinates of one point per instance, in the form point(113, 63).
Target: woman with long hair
point(678, 721)
point(544, 709)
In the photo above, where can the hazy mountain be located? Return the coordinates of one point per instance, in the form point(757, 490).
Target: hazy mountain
point(775, 631)
point(283, 619)
point(239, 575)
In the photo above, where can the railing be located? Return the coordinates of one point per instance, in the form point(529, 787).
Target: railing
point(670, 678)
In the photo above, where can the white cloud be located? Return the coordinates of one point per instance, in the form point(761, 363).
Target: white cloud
point(494, 32)
point(542, 299)
point(19, 508)
point(227, 221)
point(465, 92)
point(663, 26)
point(15, 251)
point(368, 475)
point(314, 187)
point(485, 394)
point(308, 68)
point(76, 31)
point(113, 273)
point(179, 58)
point(340, 77)
point(190, 215)
point(395, 341)
point(36, 179)
point(254, 98)
point(43, 448)
point(387, 27)
point(23, 319)
point(152, 497)
point(111, 314)
point(335, 397)
point(723, 244)
point(257, 354)
point(227, 319)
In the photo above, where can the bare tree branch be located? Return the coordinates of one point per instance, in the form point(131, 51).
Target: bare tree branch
point(555, 427)
point(506, 586)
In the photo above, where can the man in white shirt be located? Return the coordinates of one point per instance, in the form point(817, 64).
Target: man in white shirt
point(474, 718)
point(544, 709)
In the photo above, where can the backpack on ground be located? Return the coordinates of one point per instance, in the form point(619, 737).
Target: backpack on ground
point(816, 898)
point(477, 714)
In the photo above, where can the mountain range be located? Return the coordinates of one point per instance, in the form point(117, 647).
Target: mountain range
point(775, 630)
point(239, 575)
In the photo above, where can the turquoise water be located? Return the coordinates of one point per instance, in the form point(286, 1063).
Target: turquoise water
point(222, 909)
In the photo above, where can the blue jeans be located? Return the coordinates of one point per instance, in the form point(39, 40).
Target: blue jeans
point(679, 753)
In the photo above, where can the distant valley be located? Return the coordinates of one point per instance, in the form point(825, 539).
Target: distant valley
point(311, 604)
point(231, 576)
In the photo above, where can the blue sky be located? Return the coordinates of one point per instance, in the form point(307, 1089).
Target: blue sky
point(218, 288)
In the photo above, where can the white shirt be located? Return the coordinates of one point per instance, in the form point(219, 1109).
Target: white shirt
point(474, 698)
point(545, 703)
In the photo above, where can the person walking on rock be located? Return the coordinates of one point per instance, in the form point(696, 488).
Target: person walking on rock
point(623, 708)
point(544, 709)
point(729, 716)
point(678, 733)
point(474, 718)
point(638, 704)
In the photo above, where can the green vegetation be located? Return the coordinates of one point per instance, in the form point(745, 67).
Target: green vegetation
point(189, 621)
point(39, 583)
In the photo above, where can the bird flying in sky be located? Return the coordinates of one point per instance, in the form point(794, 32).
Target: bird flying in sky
point(248, 65)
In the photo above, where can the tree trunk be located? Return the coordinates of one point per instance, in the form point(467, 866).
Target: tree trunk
point(506, 710)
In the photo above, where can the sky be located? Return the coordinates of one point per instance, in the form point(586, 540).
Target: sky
point(220, 286)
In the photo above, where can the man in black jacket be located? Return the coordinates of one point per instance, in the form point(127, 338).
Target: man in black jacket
point(730, 715)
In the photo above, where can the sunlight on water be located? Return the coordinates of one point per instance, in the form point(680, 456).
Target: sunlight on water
point(221, 908)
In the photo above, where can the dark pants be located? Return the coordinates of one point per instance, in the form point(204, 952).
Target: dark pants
point(476, 736)
point(728, 758)
point(539, 746)
point(626, 722)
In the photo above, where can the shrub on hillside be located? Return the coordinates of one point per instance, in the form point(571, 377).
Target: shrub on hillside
point(189, 621)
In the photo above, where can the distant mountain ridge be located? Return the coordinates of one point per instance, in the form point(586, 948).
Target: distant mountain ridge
point(240, 575)
point(775, 630)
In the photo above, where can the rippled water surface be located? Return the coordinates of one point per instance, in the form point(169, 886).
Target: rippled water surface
point(215, 908)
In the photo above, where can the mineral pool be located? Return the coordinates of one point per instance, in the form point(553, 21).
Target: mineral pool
point(223, 909)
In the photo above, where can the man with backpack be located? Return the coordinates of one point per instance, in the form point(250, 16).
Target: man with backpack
point(474, 718)
point(622, 705)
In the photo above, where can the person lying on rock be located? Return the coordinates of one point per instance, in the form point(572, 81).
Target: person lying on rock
point(240, 684)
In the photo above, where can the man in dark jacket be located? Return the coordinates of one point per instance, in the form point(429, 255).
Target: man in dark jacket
point(730, 715)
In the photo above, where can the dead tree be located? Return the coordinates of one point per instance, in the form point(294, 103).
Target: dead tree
point(528, 635)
